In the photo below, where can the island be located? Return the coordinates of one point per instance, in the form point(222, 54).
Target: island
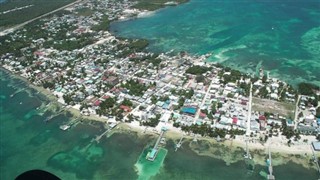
point(73, 56)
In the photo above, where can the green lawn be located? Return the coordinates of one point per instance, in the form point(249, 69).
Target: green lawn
point(39, 7)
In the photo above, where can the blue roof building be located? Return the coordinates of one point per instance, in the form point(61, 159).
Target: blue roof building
point(189, 110)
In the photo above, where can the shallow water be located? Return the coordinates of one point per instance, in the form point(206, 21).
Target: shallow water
point(283, 36)
point(29, 143)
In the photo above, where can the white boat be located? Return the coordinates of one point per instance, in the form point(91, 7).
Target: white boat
point(64, 127)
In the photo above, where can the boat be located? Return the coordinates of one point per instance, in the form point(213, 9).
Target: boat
point(48, 118)
point(263, 174)
point(247, 156)
point(64, 127)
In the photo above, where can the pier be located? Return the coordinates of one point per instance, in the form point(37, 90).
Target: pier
point(151, 156)
point(315, 159)
point(16, 92)
point(53, 116)
point(179, 144)
point(269, 161)
point(70, 124)
point(248, 158)
point(247, 155)
point(248, 132)
point(111, 126)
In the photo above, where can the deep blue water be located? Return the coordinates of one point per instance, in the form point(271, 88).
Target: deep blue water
point(282, 36)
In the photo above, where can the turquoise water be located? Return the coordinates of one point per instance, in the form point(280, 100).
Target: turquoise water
point(26, 142)
point(281, 35)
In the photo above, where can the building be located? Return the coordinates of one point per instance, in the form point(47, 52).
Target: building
point(189, 110)
point(316, 145)
point(112, 80)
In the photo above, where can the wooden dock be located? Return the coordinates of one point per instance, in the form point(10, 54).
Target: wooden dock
point(270, 175)
point(153, 154)
point(315, 159)
point(179, 144)
point(16, 92)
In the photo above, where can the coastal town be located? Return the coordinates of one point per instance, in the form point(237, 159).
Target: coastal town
point(74, 55)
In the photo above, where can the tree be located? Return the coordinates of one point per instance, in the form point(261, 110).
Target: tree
point(307, 88)
point(130, 118)
point(200, 78)
point(141, 108)
point(230, 95)
point(67, 98)
point(127, 102)
point(181, 101)
point(264, 79)
point(318, 112)
point(197, 70)
point(154, 99)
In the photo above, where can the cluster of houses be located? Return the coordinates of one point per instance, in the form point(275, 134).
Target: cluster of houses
point(88, 76)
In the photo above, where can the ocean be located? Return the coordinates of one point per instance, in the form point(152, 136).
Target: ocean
point(27, 142)
point(281, 36)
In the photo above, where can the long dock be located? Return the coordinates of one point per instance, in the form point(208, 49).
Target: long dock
point(248, 130)
point(179, 144)
point(70, 124)
point(53, 116)
point(97, 139)
point(153, 154)
point(270, 175)
point(16, 92)
point(315, 159)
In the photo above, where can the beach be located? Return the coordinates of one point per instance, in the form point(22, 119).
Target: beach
point(229, 153)
point(88, 149)
point(278, 144)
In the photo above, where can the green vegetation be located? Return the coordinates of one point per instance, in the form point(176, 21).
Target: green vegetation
point(184, 93)
point(103, 26)
point(67, 98)
point(318, 112)
point(84, 12)
point(307, 88)
point(233, 77)
point(200, 78)
point(152, 5)
point(205, 130)
point(153, 122)
point(48, 84)
point(39, 7)
point(78, 43)
point(132, 46)
point(198, 70)
point(288, 132)
point(127, 102)
point(134, 87)
point(105, 106)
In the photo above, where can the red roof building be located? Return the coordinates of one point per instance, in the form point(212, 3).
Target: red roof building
point(262, 118)
point(125, 108)
point(97, 103)
point(234, 120)
point(105, 97)
point(202, 115)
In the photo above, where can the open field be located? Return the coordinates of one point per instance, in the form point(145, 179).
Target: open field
point(266, 105)
point(39, 7)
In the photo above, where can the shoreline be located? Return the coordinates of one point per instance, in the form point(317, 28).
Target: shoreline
point(284, 151)
point(284, 154)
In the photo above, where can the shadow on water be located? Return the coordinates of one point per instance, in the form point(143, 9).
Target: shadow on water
point(79, 160)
